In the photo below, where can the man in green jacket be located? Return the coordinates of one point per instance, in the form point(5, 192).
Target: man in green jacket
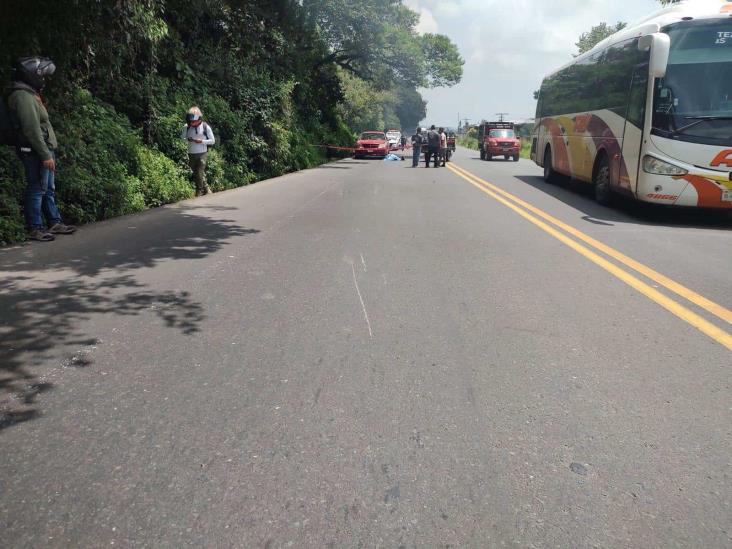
point(37, 147)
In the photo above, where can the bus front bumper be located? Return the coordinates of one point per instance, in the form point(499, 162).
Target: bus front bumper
point(699, 188)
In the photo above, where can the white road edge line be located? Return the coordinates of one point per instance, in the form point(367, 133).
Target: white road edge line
point(360, 297)
point(364, 264)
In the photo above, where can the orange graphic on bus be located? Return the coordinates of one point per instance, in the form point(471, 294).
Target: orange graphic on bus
point(725, 157)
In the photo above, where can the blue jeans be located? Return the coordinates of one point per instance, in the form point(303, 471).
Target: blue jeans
point(416, 149)
point(40, 192)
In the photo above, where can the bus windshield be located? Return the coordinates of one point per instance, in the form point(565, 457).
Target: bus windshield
point(693, 102)
point(502, 133)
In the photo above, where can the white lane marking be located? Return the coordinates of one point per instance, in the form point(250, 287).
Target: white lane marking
point(363, 305)
point(364, 264)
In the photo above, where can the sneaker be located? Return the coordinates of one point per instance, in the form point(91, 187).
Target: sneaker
point(41, 235)
point(60, 228)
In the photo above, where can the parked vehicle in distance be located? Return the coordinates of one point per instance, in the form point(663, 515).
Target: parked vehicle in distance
point(371, 143)
point(451, 144)
point(498, 139)
point(647, 113)
point(394, 137)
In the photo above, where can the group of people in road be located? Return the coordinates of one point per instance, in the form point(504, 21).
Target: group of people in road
point(35, 142)
point(433, 143)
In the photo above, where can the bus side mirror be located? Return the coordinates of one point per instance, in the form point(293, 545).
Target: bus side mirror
point(660, 45)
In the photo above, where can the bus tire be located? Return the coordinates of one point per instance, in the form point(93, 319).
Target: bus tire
point(550, 176)
point(603, 191)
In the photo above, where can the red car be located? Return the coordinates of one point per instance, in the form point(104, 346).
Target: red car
point(372, 144)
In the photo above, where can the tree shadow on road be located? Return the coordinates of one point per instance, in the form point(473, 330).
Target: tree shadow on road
point(48, 292)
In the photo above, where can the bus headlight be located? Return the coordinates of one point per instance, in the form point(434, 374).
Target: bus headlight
point(651, 164)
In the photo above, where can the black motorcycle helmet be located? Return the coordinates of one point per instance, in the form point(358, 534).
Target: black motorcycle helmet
point(33, 71)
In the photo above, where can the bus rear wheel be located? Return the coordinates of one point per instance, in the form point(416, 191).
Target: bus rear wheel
point(550, 176)
point(603, 192)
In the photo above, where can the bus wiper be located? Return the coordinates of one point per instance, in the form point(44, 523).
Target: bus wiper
point(711, 117)
point(698, 120)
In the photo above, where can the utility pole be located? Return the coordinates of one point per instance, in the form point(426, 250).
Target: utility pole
point(500, 115)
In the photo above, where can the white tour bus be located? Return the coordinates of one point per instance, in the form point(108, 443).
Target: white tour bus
point(647, 112)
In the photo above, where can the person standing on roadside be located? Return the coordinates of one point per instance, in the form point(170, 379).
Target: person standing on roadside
point(200, 137)
point(36, 147)
point(433, 148)
point(416, 147)
point(443, 146)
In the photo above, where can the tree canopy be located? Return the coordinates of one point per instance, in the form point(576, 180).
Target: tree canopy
point(276, 79)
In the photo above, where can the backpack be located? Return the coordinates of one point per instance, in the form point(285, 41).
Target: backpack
point(8, 130)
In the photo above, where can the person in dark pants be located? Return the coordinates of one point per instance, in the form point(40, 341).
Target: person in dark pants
point(417, 139)
point(200, 137)
point(433, 148)
point(36, 147)
point(403, 142)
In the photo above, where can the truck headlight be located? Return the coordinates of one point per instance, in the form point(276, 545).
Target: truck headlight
point(651, 164)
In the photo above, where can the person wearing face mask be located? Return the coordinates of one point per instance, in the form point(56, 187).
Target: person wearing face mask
point(36, 147)
point(200, 137)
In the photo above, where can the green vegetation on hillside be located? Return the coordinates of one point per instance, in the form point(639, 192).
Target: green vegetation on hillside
point(274, 78)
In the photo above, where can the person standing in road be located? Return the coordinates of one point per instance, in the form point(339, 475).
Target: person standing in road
point(200, 137)
point(36, 147)
point(417, 140)
point(403, 142)
point(433, 148)
point(443, 146)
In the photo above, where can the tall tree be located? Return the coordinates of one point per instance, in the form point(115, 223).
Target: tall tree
point(377, 41)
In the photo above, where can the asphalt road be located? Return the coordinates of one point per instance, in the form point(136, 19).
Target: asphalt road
point(370, 355)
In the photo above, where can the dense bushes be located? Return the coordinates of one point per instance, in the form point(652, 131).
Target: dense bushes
point(127, 73)
point(276, 79)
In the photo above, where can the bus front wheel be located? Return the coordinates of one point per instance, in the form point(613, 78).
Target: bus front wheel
point(603, 192)
point(550, 176)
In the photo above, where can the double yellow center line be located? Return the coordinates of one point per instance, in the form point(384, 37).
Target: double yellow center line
point(561, 231)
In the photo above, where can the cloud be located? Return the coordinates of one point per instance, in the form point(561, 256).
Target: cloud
point(509, 46)
point(427, 22)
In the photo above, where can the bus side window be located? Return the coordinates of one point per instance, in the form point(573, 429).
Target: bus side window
point(638, 93)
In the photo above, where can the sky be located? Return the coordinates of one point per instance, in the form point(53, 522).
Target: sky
point(508, 47)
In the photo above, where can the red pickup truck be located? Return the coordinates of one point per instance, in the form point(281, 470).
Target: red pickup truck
point(498, 139)
point(371, 144)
